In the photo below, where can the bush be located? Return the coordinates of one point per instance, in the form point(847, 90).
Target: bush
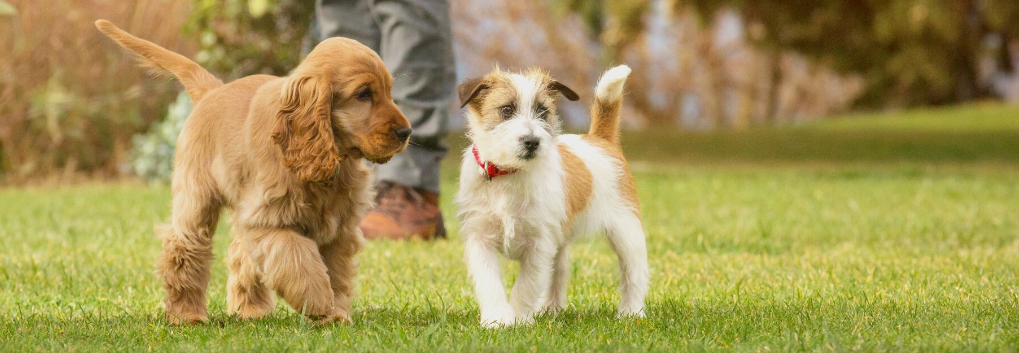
point(244, 37)
point(152, 153)
point(71, 98)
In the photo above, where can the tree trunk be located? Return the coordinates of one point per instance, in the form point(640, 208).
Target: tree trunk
point(776, 81)
point(969, 85)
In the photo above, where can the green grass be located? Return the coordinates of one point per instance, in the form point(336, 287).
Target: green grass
point(753, 246)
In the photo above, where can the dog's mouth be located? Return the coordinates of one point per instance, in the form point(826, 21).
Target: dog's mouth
point(527, 155)
point(356, 152)
point(379, 160)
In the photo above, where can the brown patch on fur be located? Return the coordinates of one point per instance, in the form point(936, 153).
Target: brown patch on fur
point(485, 96)
point(491, 91)
point(627, 187)
point(605, 120)
point(577, 181)
point(470, 89)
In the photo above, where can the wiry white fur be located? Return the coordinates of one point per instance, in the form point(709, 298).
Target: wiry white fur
point(610, 86)
point(522, 216)
point(501, 145)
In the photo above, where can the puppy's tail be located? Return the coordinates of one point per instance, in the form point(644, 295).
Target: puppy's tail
point(608, 103)
point(197, 81)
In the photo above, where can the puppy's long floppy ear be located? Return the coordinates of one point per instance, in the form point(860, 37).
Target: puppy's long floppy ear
point(470, 90)
point(566, 91)
point(304, 130)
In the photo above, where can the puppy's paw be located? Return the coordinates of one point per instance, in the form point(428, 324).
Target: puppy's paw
point(251, 312)
point(553, 308)
point(635, 313)
point(339, 316)
point(186, 318)
point(498, 318)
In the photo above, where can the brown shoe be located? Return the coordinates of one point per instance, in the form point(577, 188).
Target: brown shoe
point(401, 213)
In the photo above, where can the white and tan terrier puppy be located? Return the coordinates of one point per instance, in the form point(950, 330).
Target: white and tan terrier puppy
point(527, 191)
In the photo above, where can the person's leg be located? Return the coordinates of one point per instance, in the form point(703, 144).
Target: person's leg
point(344, 18)
point(413, 38)
point(416, 45)
point(417, 48)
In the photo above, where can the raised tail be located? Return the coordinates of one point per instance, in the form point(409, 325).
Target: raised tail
point(608, 103)
point(197, 81)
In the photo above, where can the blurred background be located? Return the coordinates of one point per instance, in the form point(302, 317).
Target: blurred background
point(778, 80)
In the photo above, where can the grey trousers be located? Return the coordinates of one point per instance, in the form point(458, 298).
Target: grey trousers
point(414, 40)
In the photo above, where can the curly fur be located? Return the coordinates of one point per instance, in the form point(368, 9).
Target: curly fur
point(307, 144)
point(283, 153)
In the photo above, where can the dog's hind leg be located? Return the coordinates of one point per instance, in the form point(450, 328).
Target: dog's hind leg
point(187, 251)
point(246, 296)
point(627, 238)
point(292, 266)
point(560, 276)
point(341, 262)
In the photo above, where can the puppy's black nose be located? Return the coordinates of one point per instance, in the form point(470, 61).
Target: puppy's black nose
point(402, 133)
point(531, 143)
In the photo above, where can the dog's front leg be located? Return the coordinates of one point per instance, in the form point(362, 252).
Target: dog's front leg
point(534, 281)
point(341, 262)
point(247, 296)
point(293, 267)
point(483, 265)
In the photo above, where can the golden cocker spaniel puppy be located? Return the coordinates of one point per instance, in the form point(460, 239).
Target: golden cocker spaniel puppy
point(284, 154)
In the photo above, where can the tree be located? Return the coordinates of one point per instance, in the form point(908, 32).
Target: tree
point(911, 52)
point(615, 35)
point(244, 37)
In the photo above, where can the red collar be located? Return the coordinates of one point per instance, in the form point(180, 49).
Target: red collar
point(489, 170)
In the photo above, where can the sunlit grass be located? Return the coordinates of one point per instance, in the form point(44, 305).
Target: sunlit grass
point(797, 255)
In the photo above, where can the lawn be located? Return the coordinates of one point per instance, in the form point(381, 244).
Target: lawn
point(878, 232)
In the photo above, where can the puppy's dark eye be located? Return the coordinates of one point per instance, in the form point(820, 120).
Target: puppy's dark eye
point(364, 95)
point(507, 111)
point(541, 112)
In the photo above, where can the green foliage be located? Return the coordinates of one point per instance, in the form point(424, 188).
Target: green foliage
point(615, 24)
point(152, 153)
point(1002, 16)
point(911, 52)
point(71, 99)
point(835, 257)
point(240, 37)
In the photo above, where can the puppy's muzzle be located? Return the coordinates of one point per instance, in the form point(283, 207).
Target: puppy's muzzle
point(531, 144)
point(402, 133)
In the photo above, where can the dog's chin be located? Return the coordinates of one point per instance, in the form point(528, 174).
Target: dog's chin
point(377, 157)
point(520, 161)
